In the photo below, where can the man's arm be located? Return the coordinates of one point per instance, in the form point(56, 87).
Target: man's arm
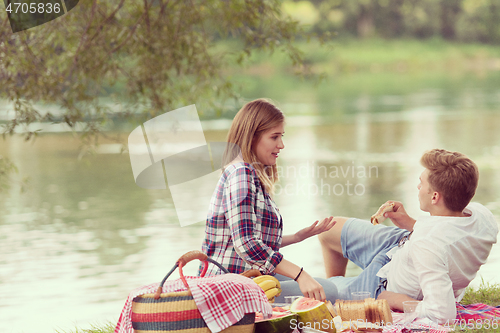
point(438, 304)
point(395, 300)
point(400, 217)
point(431, 267)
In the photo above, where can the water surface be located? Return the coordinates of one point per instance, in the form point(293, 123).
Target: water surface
point(83, 234)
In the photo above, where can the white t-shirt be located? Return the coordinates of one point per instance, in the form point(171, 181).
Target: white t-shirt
point(440, 259)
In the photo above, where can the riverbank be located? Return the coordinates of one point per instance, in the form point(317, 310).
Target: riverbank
point(341, 56)
point(371, 69)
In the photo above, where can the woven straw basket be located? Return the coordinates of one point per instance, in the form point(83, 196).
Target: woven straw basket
point(177, 311)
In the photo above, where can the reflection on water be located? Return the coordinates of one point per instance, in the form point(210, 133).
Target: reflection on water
point(84, 235)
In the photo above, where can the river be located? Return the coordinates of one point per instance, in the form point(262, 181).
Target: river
point(83, 235)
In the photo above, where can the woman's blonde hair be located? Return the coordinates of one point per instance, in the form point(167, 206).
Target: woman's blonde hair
point(254, 118)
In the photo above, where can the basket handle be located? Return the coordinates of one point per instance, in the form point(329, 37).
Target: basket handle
point(182, 261)
point(251, 273)
point(191, 255)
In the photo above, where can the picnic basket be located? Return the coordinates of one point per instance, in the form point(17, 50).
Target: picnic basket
point(177, 311)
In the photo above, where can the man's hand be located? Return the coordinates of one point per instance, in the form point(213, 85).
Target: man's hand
point(395, 300)
point(399, 217)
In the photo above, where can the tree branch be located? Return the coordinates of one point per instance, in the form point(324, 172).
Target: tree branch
point(99, 28)
point(80, 45)
point(146, 12)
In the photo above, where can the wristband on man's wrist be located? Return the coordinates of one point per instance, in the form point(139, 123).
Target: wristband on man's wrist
point(301, 269)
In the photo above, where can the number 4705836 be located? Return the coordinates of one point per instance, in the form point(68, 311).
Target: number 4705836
point(18, 7)
point(474, 324)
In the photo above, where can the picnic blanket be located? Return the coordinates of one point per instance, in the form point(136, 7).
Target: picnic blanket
point(481, 314)
point(478, 311)
point(222, 300)
point(399, 326)
point(424, 324)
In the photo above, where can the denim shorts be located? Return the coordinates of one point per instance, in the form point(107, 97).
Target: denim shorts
point(366, 245)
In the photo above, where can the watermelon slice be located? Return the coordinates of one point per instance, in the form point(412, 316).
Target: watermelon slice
point(280, 322)
point(313, 314)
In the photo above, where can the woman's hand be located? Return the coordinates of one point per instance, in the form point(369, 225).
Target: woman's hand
point(315, 229)
point(307, 285)
point(310, 287)
point(399, 217)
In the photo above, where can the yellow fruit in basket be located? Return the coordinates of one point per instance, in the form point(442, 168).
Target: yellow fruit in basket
point(271, 293)
point(275, 280)
point(270, 285)
point(260, 279)
point(267, 284)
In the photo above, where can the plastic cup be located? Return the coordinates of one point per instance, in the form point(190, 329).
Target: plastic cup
point(409, 308)
point(289, 299)
point(360, 295)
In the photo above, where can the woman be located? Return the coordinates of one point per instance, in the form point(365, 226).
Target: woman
point(244, 226)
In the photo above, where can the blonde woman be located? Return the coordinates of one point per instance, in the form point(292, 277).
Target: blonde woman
point(244, 226)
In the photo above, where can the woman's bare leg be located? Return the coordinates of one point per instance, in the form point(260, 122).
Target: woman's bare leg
point(335, 263)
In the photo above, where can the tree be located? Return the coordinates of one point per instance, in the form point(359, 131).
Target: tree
point(361, 11)
point(153, 55)
point(161, 51)
point(450, 9)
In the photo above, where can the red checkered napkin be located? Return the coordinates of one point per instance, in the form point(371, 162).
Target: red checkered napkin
point(224, 299)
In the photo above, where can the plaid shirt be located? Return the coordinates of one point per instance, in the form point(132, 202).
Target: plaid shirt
point(244, 227)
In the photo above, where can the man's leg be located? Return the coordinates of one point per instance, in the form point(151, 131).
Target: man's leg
point(335, 263)
point(363, 241)
point(365, 245)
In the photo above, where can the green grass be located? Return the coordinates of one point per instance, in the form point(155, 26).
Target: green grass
point(377, 55)
point(106, 328)
point(486, 293)
point(371, 67)
point(409, 55)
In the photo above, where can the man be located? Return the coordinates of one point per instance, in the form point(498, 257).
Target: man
point(432, 259)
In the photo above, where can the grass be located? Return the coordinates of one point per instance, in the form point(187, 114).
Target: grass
point(105, 328)
point(409, 55)
point(377, 55)
point(486, 293)
point(372, 67)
